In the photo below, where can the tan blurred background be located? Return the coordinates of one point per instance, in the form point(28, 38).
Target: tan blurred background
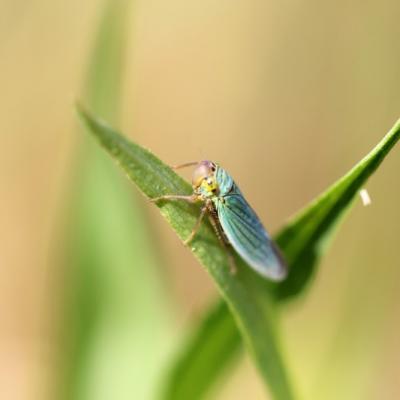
point(286, 95)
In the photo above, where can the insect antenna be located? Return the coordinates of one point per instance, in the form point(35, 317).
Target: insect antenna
point(188, 164)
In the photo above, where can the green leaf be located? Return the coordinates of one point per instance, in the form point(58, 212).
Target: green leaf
point(215, 342)
point(314, 227)
point(116, 327)
point(253, 310)
point(306, 237)
point(303, 240)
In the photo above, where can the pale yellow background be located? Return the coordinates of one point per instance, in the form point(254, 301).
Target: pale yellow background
point(285, 95)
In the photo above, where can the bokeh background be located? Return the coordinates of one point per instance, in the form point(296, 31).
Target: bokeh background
point(287, 96)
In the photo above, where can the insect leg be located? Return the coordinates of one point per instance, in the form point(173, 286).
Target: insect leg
point(197, 226)
point(221, 236)
point(191, 199)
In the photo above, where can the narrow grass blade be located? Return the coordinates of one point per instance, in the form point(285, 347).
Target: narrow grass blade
point(303, 241)
point(254, 312)
point(211, 348)
point(115, 331)
point(306, 237)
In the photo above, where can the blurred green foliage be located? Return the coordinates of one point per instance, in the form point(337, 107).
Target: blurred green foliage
point(117, 330)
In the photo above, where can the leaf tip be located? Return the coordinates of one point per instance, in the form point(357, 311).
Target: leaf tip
point(88, 120)
point(81, 110)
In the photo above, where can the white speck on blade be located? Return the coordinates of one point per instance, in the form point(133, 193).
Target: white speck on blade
point(366, 200)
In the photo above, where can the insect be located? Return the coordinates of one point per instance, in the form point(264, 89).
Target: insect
point(232, 218)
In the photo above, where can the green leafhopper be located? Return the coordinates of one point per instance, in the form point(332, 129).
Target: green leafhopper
point(232, 218)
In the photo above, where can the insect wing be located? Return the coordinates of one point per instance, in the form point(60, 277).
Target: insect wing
point(248, 237)
point(224, 181)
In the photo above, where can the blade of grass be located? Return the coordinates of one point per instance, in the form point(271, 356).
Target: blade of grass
point(303, 240)
point(306, 237)
point(253, 311)
point(196, 371)
point(116, 327)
